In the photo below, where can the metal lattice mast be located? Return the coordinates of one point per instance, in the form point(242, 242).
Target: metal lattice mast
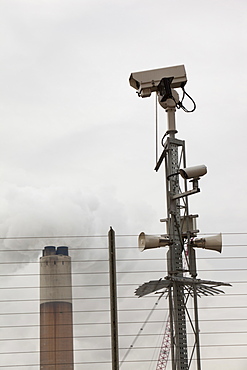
point(165, 348)
point(175, 260)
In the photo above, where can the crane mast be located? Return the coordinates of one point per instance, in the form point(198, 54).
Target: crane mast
point(165, 348)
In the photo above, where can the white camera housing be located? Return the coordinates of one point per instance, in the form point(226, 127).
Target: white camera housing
point(147, 81)
point(193, 172)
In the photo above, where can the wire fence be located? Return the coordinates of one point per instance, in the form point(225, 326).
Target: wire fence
point(223, 319)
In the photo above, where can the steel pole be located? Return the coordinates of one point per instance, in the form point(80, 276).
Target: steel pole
point(113, 299)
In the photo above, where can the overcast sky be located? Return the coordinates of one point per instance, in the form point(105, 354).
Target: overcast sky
point(77, 143)
point(70, 120)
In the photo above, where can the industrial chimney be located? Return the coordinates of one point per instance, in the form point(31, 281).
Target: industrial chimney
point(56, 325)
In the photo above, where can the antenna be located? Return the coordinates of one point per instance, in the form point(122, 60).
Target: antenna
point(181, 227)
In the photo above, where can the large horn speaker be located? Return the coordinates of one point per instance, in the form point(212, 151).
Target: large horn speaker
point(152, 241)
point(210, 242)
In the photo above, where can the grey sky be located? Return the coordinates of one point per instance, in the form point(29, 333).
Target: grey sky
point(70, 119)
point(78, 145)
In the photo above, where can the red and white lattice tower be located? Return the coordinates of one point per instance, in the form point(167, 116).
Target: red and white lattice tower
point(165, 348)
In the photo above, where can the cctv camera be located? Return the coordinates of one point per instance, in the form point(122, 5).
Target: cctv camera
point(147, 81)
point(193, 172)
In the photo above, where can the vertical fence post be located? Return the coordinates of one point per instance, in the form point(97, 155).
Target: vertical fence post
point(113, 300)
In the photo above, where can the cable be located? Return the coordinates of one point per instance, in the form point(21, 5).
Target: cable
point(124, 335)
point(99, 236)
point(156, 127)
point(121, 323)
point(125, 348)
point(102, 285)
point(92, 248)
point(180, 103)
point(123, 272)
point(107, 297)
point(36, 313)
point(56, 237)
point(125, 260)
point(140, 331)
point(101, 362)
point(108, 323)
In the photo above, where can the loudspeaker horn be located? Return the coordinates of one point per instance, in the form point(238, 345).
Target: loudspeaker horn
point(152, 241)
point(210, 242)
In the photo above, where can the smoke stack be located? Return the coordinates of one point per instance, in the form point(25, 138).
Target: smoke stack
point(56, 325)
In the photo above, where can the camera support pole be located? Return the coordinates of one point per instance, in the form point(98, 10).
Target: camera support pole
point(174, 255)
